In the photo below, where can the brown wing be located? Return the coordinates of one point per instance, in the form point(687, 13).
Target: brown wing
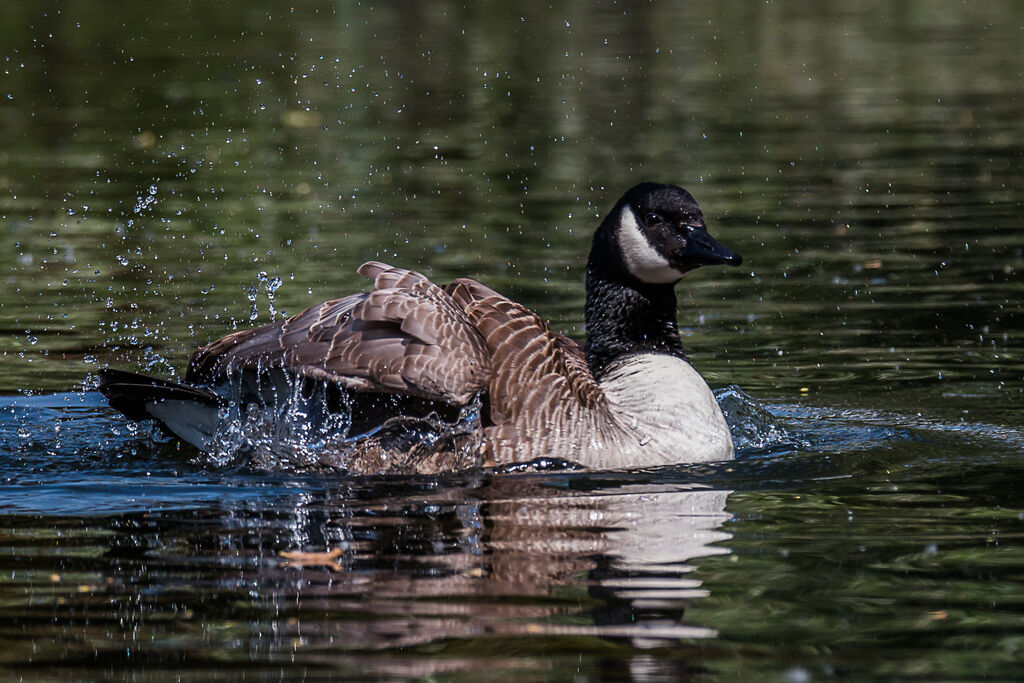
point(406, 335)
point(541, 384)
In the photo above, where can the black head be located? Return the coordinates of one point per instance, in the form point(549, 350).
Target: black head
point(657, 234)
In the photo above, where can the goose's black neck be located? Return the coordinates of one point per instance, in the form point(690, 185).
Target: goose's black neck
point(626, 316)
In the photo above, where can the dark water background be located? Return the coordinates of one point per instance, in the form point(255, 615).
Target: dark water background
point(171, 171)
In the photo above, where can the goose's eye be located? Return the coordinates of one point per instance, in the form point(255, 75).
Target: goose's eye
point(652, 218)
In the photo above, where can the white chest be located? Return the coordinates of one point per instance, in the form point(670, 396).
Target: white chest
point(666, 411)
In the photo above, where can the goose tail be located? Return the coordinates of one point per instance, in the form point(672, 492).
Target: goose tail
point(189, 413)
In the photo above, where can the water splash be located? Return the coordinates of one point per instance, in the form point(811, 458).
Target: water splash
point(147, 201)
point(252, 293)
point(277, 421)
point(269, 285)
point(753, 427)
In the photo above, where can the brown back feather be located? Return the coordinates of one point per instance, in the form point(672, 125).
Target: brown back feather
point(538, 374)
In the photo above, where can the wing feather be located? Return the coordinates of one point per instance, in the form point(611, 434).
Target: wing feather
point(406, 334)
point(541, 386)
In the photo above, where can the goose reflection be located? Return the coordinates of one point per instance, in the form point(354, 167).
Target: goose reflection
point(503, 559)
point(341, 573)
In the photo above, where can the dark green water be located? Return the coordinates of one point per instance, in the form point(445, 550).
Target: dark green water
point(867, 160)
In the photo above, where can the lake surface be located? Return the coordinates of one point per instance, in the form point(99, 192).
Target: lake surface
point(169, 173)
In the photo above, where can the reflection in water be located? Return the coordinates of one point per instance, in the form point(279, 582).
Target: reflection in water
point(632, 547)
point(611, 564)
point(111, 562)
point(325, 571)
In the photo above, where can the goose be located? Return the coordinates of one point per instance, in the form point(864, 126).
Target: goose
point(628, 397)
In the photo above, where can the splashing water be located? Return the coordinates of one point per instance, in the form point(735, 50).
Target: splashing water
point(147, 201)
point(288, 428)
point(252, 293)
point(277, 421)
point(753, 427)
point(269, 285)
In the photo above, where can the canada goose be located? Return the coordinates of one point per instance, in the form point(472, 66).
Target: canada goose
point(627, 398)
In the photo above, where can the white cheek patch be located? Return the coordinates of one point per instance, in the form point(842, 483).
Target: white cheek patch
point(642, 260)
